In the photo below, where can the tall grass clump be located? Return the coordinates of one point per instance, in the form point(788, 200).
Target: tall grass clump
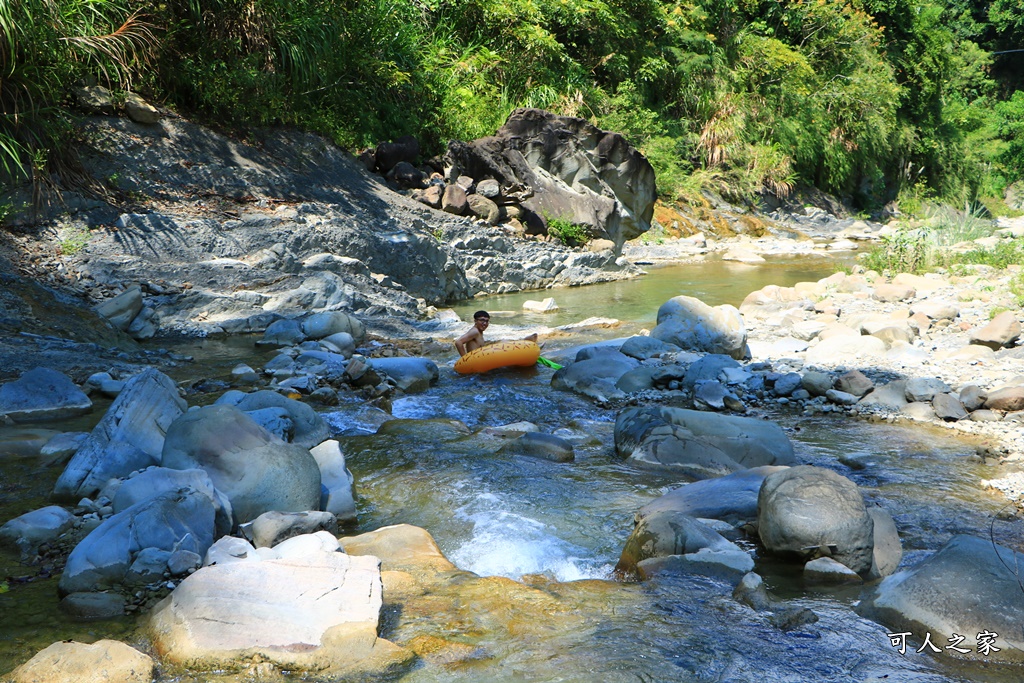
point(950, 226)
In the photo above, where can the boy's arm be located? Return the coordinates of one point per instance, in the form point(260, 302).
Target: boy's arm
point(460, 343)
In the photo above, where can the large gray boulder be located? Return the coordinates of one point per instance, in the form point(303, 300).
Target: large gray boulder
point(888, 550)
point(666, 533)
point(892, 396)
point(299, 605)
point(692, 325)
point(272, 528)
point(808, 512)
point(309, 428)
point(539, 445)
point(156, 481)
point(1001, 332)
point(129, 437)
point(969, 587)
point(178, 520)
point(123, 308)
point(325, 323)
point(42, 394)
point(644, 347)
point(670, 542)
point(712, 367)
point(697, 444)
point(566, 168)
point(255, 470)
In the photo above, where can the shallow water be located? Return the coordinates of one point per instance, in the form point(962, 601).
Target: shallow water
point(636, 301)
point(560, 527)
point(507, 515)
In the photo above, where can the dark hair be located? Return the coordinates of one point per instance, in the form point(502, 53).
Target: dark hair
point(481, 314)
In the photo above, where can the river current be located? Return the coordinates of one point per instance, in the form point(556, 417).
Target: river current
point(559, 527)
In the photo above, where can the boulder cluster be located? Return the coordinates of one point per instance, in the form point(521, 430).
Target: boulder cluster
point(156, 483)
point(537, 168)
point(745, 482)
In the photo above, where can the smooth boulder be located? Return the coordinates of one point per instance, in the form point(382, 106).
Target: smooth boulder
point(731, 499)
point(665, 533)
point(595, 377)
point(42, 394)
point(36, 527)
point(970, 586)
point(156, 481)
point(409, 374)
point(808, 512)
point(539, 445)
point(105, 661)
point(309, 429)
point(272, 528)
point(303, 607)
point(692, 325)
point(326, 323)
point(255, 470)
point(336, 481)
point(698, 444)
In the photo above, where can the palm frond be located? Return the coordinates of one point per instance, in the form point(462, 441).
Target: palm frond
point(133, 41)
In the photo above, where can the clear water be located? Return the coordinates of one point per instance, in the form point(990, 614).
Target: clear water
point(635, 302)
point(559, 528)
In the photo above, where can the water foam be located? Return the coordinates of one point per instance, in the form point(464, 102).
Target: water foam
point(508, 544)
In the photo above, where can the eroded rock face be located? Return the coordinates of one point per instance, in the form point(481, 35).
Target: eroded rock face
point(576, 172)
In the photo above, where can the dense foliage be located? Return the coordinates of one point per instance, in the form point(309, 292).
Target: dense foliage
point(868, 99)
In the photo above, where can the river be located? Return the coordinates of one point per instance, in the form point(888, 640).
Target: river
point(560, 527)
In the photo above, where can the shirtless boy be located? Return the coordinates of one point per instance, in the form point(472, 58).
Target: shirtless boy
point(474, 339)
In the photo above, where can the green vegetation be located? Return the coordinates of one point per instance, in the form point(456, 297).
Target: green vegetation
point(73, 241)
point(868, 99)
point(1017, 289)
point(568, 233)
point(907, 250)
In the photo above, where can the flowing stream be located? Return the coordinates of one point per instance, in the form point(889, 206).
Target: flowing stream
point(559, 527)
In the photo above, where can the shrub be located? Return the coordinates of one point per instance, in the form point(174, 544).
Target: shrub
point(907, 250)
point(568, 233)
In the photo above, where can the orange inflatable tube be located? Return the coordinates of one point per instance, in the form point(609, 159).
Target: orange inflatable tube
point(498, 355)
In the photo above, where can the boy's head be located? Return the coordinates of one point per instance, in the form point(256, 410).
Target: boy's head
point(481, 319)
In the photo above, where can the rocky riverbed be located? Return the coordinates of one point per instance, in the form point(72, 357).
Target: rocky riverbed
point(349, 279)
